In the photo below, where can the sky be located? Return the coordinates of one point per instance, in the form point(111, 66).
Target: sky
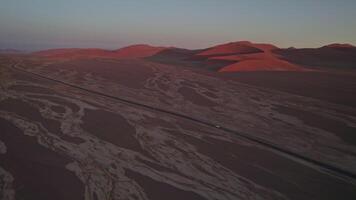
point(111, 24)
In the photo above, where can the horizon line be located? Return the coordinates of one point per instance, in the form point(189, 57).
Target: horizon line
point(29, 50)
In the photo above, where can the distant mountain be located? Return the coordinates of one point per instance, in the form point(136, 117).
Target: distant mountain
point(134, 51)
point(74, 53)
point(338, 45)
point(336, 56)
point(10, 51)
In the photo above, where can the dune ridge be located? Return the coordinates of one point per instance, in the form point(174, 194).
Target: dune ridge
point(228, 57)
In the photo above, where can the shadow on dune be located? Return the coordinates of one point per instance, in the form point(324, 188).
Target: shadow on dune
point(187, 58)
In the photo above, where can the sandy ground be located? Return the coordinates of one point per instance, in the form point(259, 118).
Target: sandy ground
point(332, 86)
point(61, 142)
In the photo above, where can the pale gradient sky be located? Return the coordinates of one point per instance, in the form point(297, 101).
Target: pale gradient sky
point(41, 24)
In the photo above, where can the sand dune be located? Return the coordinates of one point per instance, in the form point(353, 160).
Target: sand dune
point(336, 56)
point(229, 57)
point(261, 60)
point(231, 48)
point(270, 64)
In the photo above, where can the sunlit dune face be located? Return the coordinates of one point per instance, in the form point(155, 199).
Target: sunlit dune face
point(249, 57)
point(262, 65)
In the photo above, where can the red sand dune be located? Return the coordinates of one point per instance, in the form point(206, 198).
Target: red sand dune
point(229, 57)
point(231, 48)
point(262, 60)
point(266, 57)
point(134, 51)
point(272, 64)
